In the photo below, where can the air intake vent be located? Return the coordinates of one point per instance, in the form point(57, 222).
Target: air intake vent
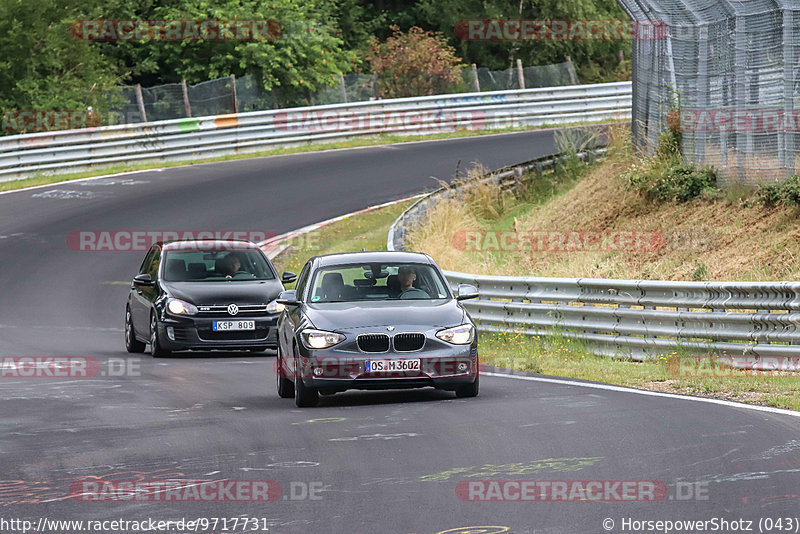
point(407, 342)
point(373, 343)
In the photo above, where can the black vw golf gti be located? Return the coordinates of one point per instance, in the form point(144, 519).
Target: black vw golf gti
point(203, 295)
point(374, 320)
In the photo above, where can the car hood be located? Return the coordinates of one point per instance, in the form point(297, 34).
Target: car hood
point(224, 293)
point(344, 316)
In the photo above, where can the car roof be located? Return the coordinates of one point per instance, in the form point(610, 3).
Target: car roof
point(208, 244)
point(369, 257)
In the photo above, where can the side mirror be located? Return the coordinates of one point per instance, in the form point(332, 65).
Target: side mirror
point(288, 277)
point(143, 280)
point(288, 298)
point(466, 291)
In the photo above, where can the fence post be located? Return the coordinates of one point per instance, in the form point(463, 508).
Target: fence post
point(573, 79)
point(235, 100)
point(476, 84)
point(140, 101)
point(520, 75)
point(186, 105)
point(343, 88)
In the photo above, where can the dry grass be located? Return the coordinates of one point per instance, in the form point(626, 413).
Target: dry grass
point(704, 239)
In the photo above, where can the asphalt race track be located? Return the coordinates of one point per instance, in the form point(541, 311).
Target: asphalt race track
point(361, 461)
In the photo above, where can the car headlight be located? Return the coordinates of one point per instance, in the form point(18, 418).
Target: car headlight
point(458, 335)
point(180, 307)
point(320, 339)
point(275, 307)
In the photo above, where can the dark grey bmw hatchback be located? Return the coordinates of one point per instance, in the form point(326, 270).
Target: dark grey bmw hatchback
point(374, 320)
point(204, 295)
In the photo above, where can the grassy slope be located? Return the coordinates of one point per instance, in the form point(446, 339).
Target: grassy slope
point(704, 239)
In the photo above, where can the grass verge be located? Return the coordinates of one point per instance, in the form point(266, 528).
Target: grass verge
point(366, 230)
point(556, 355)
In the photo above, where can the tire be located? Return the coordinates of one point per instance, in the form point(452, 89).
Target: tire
point(469, 390)
point(285, 386)
point(131, 343)
point(304, 397)
point(156, 349)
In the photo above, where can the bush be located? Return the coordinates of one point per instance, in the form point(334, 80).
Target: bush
point(787, 193)
point(416, 63)
point(683, 182)
point(666, 177)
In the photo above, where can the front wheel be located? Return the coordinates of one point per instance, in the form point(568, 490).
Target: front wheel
point(469, 390)
point(131, 343)
point(304, 397)
point(156, 350)
point(285, 386)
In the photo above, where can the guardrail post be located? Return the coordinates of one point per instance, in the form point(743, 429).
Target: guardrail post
point(186, 105)
point(140, 102)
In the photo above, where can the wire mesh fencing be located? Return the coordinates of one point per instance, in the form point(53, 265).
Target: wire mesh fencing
point(727, 72)
point(231, 95)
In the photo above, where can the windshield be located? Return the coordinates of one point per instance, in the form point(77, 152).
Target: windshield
point(216, 266)
point(377, 281)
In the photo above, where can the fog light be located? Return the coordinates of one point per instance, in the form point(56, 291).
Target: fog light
point(171, 333)
point(463, 366)
point(318, 371)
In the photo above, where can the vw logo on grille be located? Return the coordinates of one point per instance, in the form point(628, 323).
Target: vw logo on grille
point(233, 309)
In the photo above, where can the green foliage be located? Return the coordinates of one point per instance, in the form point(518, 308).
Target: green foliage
point(667, 178)
point(672, 180)
point(43, 67)
point(308, 54)
point(414, 63)
point(785, 193)
point(594, 59)
point(669, 144)
point(700, 272)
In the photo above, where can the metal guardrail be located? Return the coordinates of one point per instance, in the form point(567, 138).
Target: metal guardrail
point(22, 156)
point(748, 324)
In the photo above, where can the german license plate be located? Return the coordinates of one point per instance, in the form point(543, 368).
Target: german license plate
point(388, 366)
point(230, 326)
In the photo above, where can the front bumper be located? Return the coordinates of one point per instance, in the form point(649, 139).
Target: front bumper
point(196, 333)
point(446, 367)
